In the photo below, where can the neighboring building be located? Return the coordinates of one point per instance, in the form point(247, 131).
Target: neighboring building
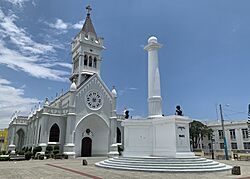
point(237, 136)
point(248, 124)
point(3, 139)
point(83, 121)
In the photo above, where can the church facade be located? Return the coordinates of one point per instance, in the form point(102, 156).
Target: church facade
point(83, 121)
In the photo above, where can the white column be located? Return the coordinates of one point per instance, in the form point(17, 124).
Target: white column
point(154, 88)
point(44, 128)
point(12, 143)
point(113, 117)
point(113, 149)
point(69, 147)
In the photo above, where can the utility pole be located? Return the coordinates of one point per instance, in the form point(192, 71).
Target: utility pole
point(212, 145)
point(224, 134)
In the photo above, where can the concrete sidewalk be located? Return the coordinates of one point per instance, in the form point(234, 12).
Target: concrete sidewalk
point(73, 168)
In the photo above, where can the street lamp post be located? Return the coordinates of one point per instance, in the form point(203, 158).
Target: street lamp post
point(224, 134)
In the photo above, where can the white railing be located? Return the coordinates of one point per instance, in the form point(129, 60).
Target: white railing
point(56, 110)
point(120, 116)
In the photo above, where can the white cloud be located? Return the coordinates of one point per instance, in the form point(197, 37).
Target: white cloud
point(132, 88)
point(123, 91)
point(62, 26)
point(12, 99)
point(65, 65)
point(20, 3)
point(29, 64)
point(78, 25)
point(31, 57)
point(59, 24)
point(4, 82)
point(17, 2)
point(20, 37)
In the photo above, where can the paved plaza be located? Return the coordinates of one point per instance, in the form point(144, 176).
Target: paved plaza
point(73, 168)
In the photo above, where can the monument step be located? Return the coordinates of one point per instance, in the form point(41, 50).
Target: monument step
point(165, 160)
point(167, 169)
point(163, 164)
point(164, 167)
point(195, 158)
point(213, 165)
point(153, 163)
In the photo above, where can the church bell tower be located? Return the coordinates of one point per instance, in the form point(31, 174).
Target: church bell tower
point(86, 52)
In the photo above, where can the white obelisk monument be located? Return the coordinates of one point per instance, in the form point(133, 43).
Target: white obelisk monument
point(154, 88)
point(157, 142)
point(156, 135)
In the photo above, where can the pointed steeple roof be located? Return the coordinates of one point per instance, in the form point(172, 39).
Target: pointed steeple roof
point(88, 26)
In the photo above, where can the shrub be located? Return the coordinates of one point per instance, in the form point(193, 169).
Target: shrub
point(28, 155)
point(52, 155)
point(21, 152)
point(47, 156)
point(4, 158)
point(37, 149)
point(58, 156)
point(23, 149)
point(3, 152)
point(56, 152)
point(49, 148)
point(41, 157)
point(65, 156)
point(0, 152)
point(56, 147)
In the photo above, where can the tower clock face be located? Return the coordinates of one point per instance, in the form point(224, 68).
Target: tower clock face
point(94, 100)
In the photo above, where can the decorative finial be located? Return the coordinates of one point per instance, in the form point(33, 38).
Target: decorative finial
point(73, 86)
point(88, 8)
point(46, 102)
point(114, 92)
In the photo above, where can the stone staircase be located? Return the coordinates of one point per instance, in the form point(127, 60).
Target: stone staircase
point(163, 164)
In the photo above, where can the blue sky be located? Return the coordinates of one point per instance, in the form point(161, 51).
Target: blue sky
point(204, 60)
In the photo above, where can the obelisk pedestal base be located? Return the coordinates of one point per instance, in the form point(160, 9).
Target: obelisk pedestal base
point(161, 136)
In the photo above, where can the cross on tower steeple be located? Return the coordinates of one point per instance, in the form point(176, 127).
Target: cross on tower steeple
point(88, 8)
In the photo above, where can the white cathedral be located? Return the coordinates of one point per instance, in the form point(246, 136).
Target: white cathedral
point(83, 121)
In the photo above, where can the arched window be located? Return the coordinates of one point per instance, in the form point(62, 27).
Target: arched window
point(20, 140)
point(76, 64)
point(85, 60)
point(94, 64)
point(90, 61)
point(54, 133)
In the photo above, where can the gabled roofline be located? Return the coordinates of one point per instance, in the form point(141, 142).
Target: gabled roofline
point(103, 84)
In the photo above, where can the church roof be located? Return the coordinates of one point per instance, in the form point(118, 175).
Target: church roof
point(94, 78)
point(88, 26)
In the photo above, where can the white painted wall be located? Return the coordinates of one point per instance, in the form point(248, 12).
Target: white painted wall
point(157, 137)
point(100, 134)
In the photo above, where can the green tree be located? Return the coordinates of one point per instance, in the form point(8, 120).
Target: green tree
point(197, 131)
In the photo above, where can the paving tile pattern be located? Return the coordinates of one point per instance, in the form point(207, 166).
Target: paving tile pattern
point(39, 169)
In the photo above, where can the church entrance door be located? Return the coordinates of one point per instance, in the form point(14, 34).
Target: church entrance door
point(86, 147)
